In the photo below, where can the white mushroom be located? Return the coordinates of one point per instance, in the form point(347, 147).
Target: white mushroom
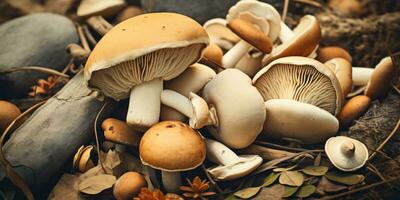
point(103, 8)
point(220, 34)
point(250, 63)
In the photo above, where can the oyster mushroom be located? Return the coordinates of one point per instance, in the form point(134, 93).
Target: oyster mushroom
point(220, 34)
point(134, 62)
point(128, 186)
point(8, 113)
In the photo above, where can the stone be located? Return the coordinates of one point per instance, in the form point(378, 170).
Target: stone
point(33, 40)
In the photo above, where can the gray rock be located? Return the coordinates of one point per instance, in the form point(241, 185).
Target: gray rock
point(200, 10)
point(33, 40)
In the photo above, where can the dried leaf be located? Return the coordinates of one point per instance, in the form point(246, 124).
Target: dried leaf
point(273, 163)
point(96, 184)
point(345, 178)
point(111, 161)
point(305, 191)
point(291, 178)
point(315, 170)
point(91, 172)
point(289, 191)
point(247, 193)
point(231, 197)
point(325, 185)
point(271, 178)
point(274, 192)
point(66, 188)
point(317, 161)
point(281, 169)
point(131, 163)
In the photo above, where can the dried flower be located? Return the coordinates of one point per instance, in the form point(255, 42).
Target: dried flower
point(44, 87)
point(197, 189)
point(156, 194)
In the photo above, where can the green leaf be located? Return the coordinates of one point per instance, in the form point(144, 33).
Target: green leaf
point(291, 178)
point(315, 170)
point(345, 178)
point(271, 178)
point(230, 197)
point(289, 191)
point(247, 193)
point(305, 191)
point(284, 169)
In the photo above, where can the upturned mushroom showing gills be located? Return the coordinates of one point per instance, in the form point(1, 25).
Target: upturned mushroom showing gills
point(134, 58)
point(171, 147)
point(343, 71)
point(302, 98)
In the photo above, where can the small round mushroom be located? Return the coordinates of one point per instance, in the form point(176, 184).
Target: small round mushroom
point(343, 71)
point(353, 109)
point(128, 12)
point(220, 34)
point(231, 166)
point(128, 186)
point(8, 113)
point(345, 153)
point(378, 80)
point(171, 147)
point(303, 42)
point(212, 56)
point(330, 52)
point(120, 132)
point(104, 8)
point(134, 62)
point(346, 8)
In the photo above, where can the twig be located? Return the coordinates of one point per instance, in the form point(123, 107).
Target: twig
point(394, 131)
point(268, 144)
point(285, 10)
point(375, 170)
point(89, 35)
point(211, 179)
point(83, 38)
point(396, 89)
point(96, 134)
point(383, 154)
point(33, 68)
point(310, 2)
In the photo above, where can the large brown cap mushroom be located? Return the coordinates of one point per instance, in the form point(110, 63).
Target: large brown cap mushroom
point(302, 79)
point(382, 78)
point(330, 52)
point(353, 109)
point(104, 8)
point(128, 186)
point(8, 112)
point(119, 132)
point(343, 71)
point(131, 60)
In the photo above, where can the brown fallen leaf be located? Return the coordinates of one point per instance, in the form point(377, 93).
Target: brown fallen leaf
point(91, 172)
point(96, 184)
point(274, 192)
point(326, 185)
point(66, 188)
point(111, 161)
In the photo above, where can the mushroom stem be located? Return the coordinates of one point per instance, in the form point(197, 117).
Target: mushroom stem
point(286, 33)
point(347, 148)
point(219, 153)
point(361, 75)
point(144, 104)
point(178, 102)
point(235, 54)
point(171, 181)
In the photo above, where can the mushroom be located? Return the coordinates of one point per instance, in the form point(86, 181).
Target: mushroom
point(8, 113)
point(250, 63)
point(343, 71)
point(134, 61)
point(345, 153)
point(128, 185)
point(302, 97)
point(256, 23)
point(353, 109)
point(119, 132)
point(77, 52)
point(212, 57)
point(85, 161)
point(231, 166)
point(303, 42)
point(220, 34)
point(346, 8)
point(330, 52)
point(192, 80)
point(104, 8)
point(171, 147)
point(128, 12)
point(378, 80)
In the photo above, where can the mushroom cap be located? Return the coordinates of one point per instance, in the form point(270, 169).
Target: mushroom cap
point(213, 53)
point(104, 8)
point(8, 112)
point(128, 185)
point(329, 52)
point(220, 34)
point(128, 12)
point(193, 79)
point(251, 34)
point(343, 71)
point(85, 163)
point(229, 172)
point(302, 79)
point(130, 53)
point(257, 12)
point(346, 153)
point(287, 118)
point(120, 132)
point(353, 109)
point(382, 78)
point(307, 35)
point(239, 108)
point(172, 146)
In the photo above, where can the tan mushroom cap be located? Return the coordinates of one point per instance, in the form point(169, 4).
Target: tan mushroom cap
point(343, 71)
point(172, 146)
point(128, 185)
point(212, 55)
point(104, 8)
point(8, 112)
point(345, 153)
point(381, 79)
point(120, 132)
point(131, 53)
point(330, 52)
point(85, 162)
point(239, 108)
point(128, 12)
point(251, 34)
point(302, 79)
point(353, 109)
point(307, 35)
point(220, 34)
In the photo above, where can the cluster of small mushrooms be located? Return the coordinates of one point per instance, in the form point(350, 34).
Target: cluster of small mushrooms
point(244, 77)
